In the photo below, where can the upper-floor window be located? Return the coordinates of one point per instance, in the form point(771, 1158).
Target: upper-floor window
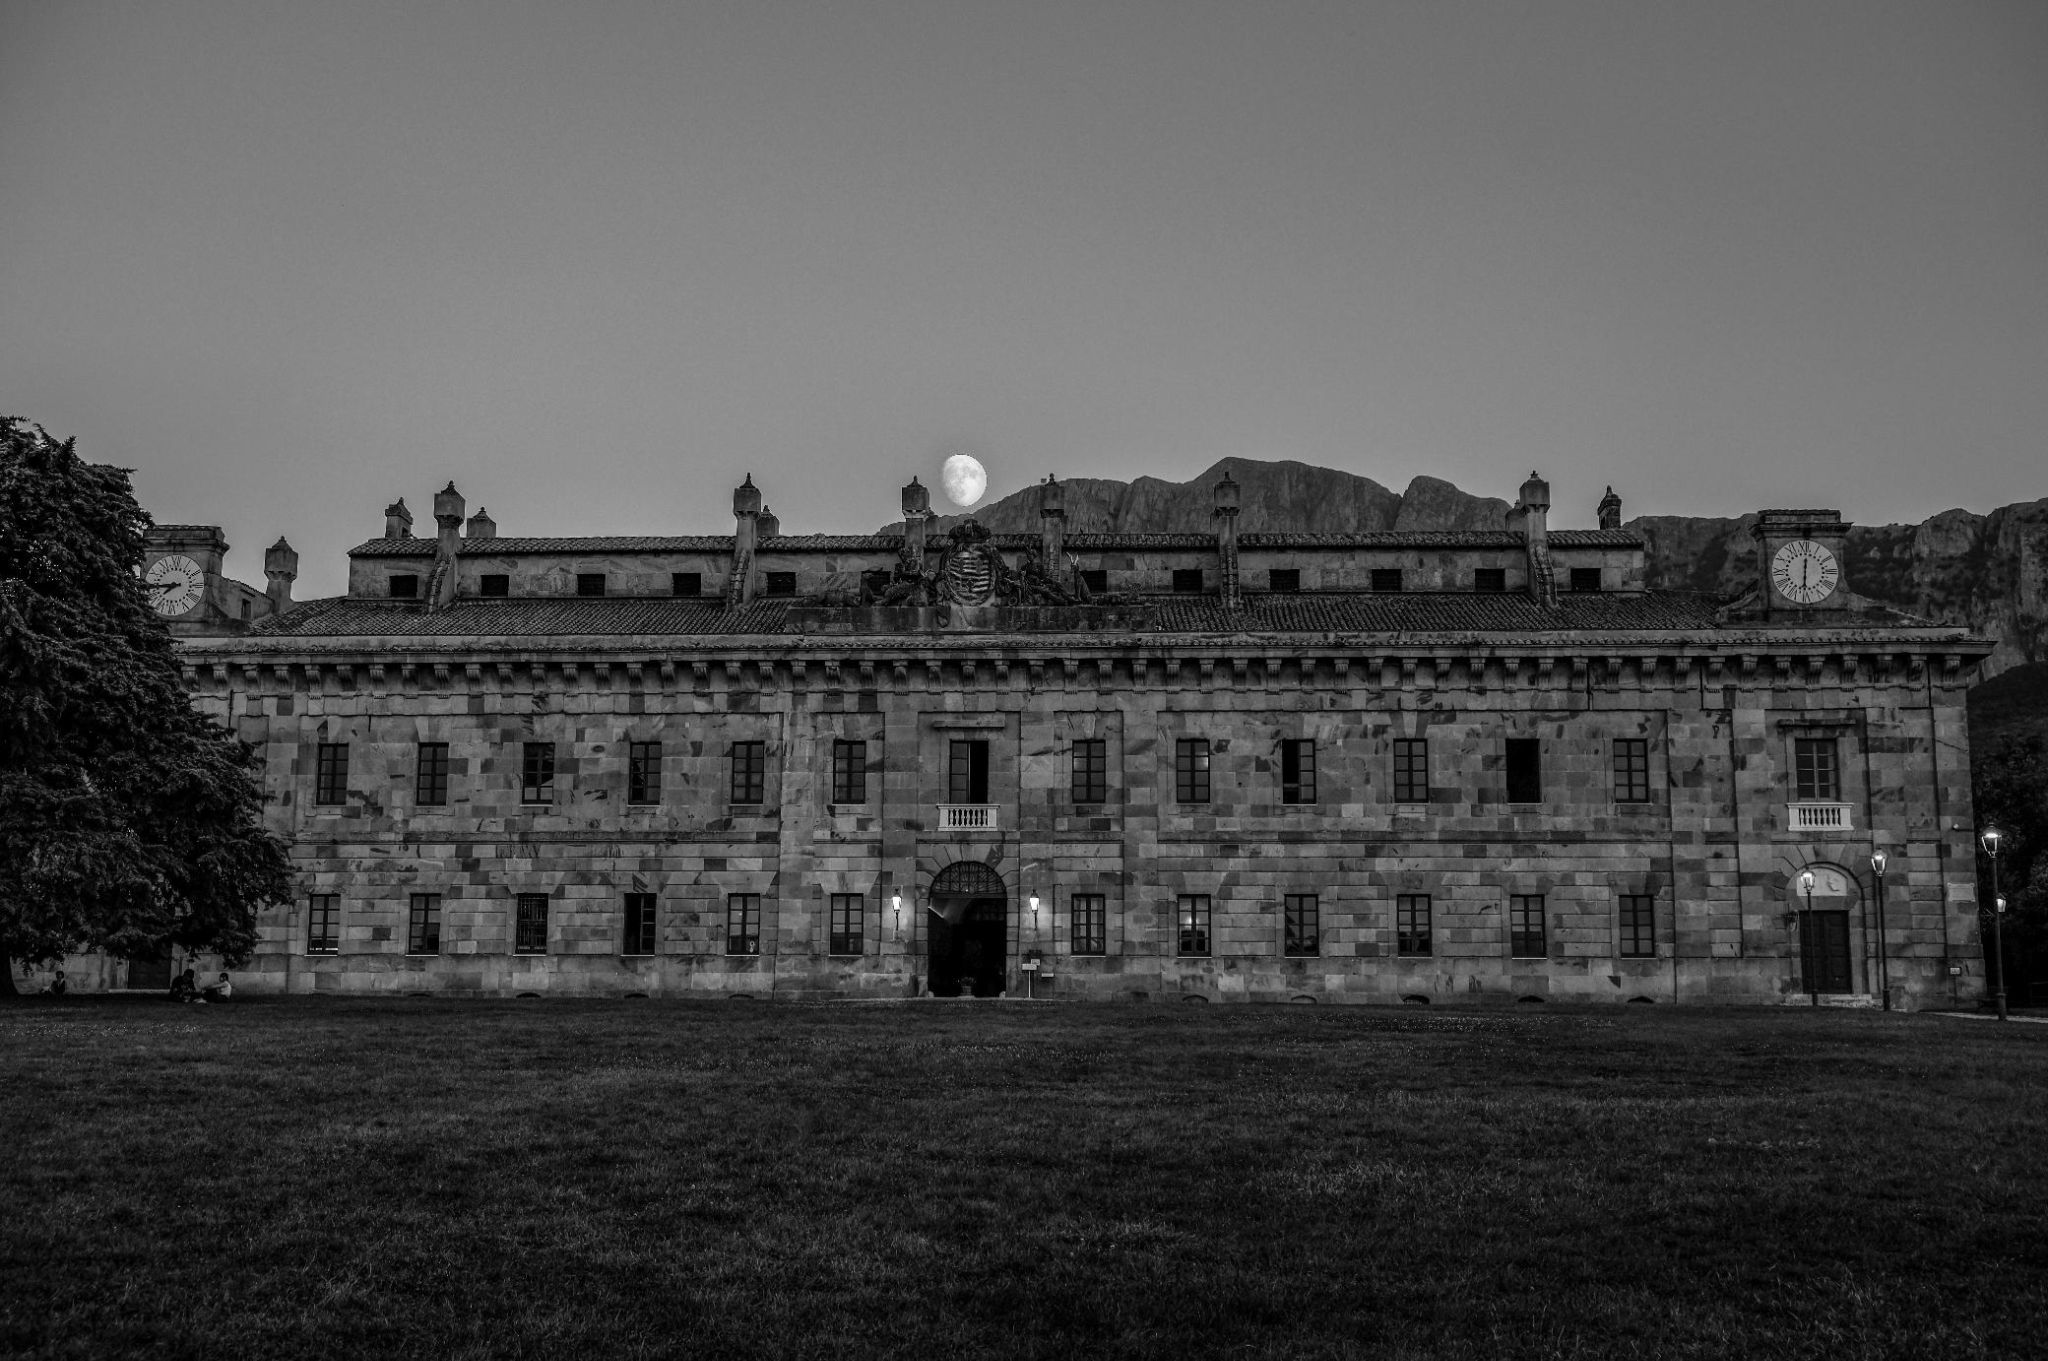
point(1090, 923)
point(640, 921)
point(1585, 579)
point(323, 924)
point(1490, 579)
point(537, 773)
point(967, 771)
point(530, 927)
point(1302, 929)
point(749, 772)
point(1297, 770)
point(1525, 770)
point(405, 587)
point(781, 583)
point(1090, 782)
point(743, 924)
point(1631, 770)
point(1096, 579)
point(1283, 579)
point(430, 780)
point(1525, 925)
point(1638, 926)
point(1819, 777)
point(877, 582)
point(1187, 580)
point(423, 925)
point(1192, 915)
point(643, 772)
point(590, 583)
point(1411, 770)
point(330, 773)
point(1412, 934)
point(848, 930)
point(1386, 578)
point(849, 770)
point(494, 585)
point(1191, 770)
point(686, 583)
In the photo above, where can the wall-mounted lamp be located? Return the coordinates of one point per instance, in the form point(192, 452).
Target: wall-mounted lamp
point(1034, 911)
point(1806, 945)
point(1878, 861)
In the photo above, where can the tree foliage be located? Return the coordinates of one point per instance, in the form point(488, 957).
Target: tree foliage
point(129, 821)
point(2010, 790)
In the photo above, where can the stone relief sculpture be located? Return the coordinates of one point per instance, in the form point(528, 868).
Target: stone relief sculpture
point(970, 571)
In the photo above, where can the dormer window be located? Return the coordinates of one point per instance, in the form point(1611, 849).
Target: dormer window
point(686, 583)
point(1283, 579)
point(1096, 579)
point(781, 584)
point(1585, 580)
point(1492, 580)
point(494, 585)
point(405, 587)
point(1187, 580)
point(1386, 578)
point(590, 583)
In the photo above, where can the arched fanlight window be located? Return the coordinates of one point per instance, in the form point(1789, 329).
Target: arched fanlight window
point(970, 878)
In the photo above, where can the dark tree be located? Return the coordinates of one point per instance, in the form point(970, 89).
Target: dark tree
point(2009, 786)
point(129, 821)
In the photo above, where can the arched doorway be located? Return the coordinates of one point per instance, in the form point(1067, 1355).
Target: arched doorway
point(1826, 964)
point(968, 918)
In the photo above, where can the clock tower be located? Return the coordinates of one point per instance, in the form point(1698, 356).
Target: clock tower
point(1800, 557)
point(181, 571)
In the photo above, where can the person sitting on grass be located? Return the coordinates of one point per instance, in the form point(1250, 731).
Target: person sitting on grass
point(183, 989)
point(58, 985)
point(218, 992)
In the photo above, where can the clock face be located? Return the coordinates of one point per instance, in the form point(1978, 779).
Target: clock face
point(1805, 572)
point(177, 584)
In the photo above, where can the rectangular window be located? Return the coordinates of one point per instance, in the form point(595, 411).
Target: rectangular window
point(1193, 916)
point(1096, 579)
point(430, 786)
point(1187, 580)
point(323, 924)
point(1283, 579)
point(876, 584)
point(1304, 925)
point(1091, 770)
point(330, 773)
point(1191, 770)
point(643, 772)
point(423, 926)
point(781, 583)
point(1525, 770)
point(1490, 579)
point(1525, 926)
point(1411, 770)
point(530, 926)
point(1586, 580)
point(1631, 770)
point(1091, 923)
point(1297, 770)
point(1638, 926)
point(590, 583)
point(686, 583)
point(849, 770)
point(494, 585)
point(743, 924)
point(849, 930)
point(537, 773)
point(749, 772)
point(1819, 777)
point(967, 772)
point(640, 920)
point(406, 587)
point(1386, 578)
point(1412, 935)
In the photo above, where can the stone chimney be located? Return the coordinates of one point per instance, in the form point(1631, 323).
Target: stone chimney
point(448, 507)
point(1610, 510)
point(281, 568)
point(767, 526)
point(1229, 591)
point(480, 527)
point(746, 511)
point(397, 520)
point(1052, 524)
point(917, 508)
point(1531, 516)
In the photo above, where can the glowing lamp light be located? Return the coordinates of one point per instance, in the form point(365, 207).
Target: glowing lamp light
point(1877, 862)
point(1034, 909)
point(1806, 883)
point(2000, 901)
point(1992, 837)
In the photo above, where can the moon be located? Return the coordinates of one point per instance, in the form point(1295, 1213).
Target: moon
point(964, 479)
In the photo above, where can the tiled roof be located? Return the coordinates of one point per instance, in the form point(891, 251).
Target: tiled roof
point(424, 548)
point(344, 616)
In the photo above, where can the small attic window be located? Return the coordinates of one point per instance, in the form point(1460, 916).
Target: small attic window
point(406, 587)
point(494, 585)
point(686, 583)
point(1096, 579)
point(590, 583)
point(782, 583)
point(1187, 580)
point(1386, 579)
point(1283, 579)
point(1490, 579)
point(1586, 580)
point(246, 608)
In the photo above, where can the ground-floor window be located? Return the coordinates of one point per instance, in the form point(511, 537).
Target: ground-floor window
point(1194, 923)
point(1525, 926)
point(1091, 923)
point(423, 927)
point(530, 927)
point(323, 924)
point(1638, 926)
point(639, 924)
point(1304, 929)
point(1412, 934)
point(743, 924)
point(849, 931)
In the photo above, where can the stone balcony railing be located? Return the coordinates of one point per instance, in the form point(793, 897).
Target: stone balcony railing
point(1811, 816)
point(967, 817)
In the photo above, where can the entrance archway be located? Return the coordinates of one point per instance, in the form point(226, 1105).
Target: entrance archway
point(968, 918)
point(1826, 959)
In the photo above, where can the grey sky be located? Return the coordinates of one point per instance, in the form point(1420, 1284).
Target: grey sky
point(594, 262)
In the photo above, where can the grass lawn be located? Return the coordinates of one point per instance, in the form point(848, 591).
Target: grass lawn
point(545, 1178)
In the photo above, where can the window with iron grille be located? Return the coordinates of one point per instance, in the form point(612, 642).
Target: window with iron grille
point(323, 924)
point(1819, 777)
point(1187, 580)
point(1411, 770)
point(1525, 770)
point(430, 784)
point(1283, 579)
point(1638, 926)
point(1525, 925)
point(1491, 579)
point(643, 772)
point(850, 770)
point(967, 772)
point(530, 925)
point(1303, 921)
point(1193, 915)
point(781, 583)
point(1091, 770)
point(1096, 579)
point(1297, 770)
point(406, 587)
point(743, 924)
point(1191, 770)
point(749, 772)
point(590, 583)
point(640, 921)
point(1090, 923)
point(1412, 935)
point(423, 925)
point(330, 773)
point(537, 773)
point(494, 585)
point(849, 929)
point(1631, 770)
point(1386, 578)
point(1586, 580)
point(686, 583)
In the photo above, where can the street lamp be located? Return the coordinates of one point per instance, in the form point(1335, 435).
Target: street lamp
point(1993, 839)
point(1806, 939)
point(1884, 976)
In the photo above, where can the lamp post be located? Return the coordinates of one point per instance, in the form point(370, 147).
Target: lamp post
point(1031, 973)
point(1993, 839)
point(1806, 939)
point(1884, 976)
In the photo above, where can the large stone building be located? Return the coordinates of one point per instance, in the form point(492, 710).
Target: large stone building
point(1373, 767)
